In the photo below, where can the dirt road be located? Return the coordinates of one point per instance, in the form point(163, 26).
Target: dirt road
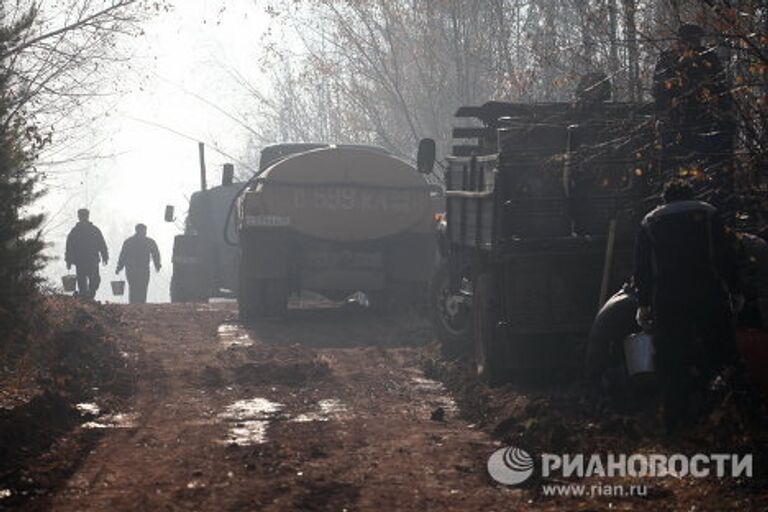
point(323, 410)
point(329, 408)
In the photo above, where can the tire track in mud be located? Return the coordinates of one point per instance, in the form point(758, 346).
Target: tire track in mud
point(325, 409)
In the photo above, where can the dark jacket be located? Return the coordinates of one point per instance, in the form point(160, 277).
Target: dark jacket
point(84, 245)
point(690, 89)
point(682, 254)
point(753, 263)
point(136, 253)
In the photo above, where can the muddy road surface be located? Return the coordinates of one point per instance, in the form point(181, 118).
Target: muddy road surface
point(326, 409)
point(338, 408)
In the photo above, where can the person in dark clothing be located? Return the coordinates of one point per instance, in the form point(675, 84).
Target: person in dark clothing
point(753, 262)
point(134, 257)
point(685, 267)
point(694, 107)
point(85, 244)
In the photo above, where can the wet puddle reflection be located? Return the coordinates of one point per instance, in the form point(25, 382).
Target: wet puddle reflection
point(234, 336)
point(249, 420)
point(115, 420)
point(88, 409)
point(435, 394)
point(326, 410)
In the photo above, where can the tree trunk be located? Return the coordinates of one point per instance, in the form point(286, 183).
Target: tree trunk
point(613, 50)
point(633, 66)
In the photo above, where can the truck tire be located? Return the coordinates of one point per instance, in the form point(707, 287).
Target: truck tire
point(258, 298)
point(178, 290)
point(186, 286)
point(491, 350)
point(249, 300)
point(452, 321)
point(275, 298)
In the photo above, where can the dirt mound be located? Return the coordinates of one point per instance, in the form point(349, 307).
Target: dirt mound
point(567, 418)
point(85, 358)
point(32, 428)
point(88, 354)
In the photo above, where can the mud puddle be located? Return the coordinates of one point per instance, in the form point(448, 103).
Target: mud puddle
point(249, 420)
point(88, 409)
point(434, 395)
point(116, 420)
point(330, 409)
point(232, 335)
point(100, 420)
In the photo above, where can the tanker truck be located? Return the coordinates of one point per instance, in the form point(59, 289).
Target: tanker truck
point(334, 220)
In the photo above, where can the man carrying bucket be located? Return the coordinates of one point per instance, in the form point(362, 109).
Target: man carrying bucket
point(134, 257)
point(685, 267)
point(85, 244)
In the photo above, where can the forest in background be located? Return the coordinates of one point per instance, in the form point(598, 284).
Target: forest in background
point(391, 72)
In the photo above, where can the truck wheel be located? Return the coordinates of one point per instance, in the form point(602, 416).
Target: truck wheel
point(177, 291)
point(275, 298)
point(250, 302)
point(491, 350)
point(451, 318)
point(262, 297)
point(186, 286)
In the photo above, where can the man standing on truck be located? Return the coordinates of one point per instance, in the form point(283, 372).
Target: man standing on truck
point(85, 244)
point(685, 265)
point(694, 107)
point(134, 257)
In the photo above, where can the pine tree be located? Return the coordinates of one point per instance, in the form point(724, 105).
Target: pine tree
point(21, 243)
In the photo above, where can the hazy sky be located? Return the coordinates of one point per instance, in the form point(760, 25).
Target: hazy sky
point(190, 48)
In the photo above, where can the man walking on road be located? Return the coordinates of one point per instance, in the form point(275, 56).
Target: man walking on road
point(685, 267)
point(85, 244)
point(134, 257)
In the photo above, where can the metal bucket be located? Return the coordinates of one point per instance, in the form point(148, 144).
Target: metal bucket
point(118, 287)
point(638, 353)
point(69, 282)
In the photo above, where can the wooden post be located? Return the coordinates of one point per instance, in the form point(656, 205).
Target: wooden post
point(201, 153)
